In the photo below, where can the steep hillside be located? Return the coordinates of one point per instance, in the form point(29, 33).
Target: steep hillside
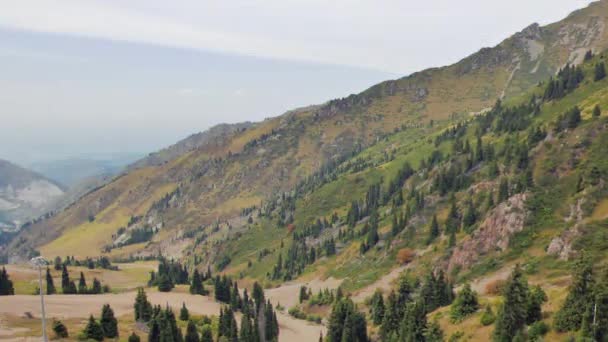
point(24, 194)
point(199, 192)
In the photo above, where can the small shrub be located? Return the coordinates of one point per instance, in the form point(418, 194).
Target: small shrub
point(60, 329)
point(488, 317)
point(537, 330)
point(495, 287)
point(405, 255)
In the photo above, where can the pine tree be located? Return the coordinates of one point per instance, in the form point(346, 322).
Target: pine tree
point(93, 330)
point(597, 111)
point(377, 310)
point(433, 332)
point(570, 316)
point(206, 334)
point(413, 325)
point(82, 285)
point(142, 308)
point(134, 337)
point(536, 299)
point(513, 313)
point(109, 324)
point(191, 333)
point(60, 330)
point(503, 191)
point(50, 286)
point(433, 230)
point(600, 71)
point(96, 288)
point(391, 319)
point(184, 315)
point(65, 280)
point(197, 287)
point(164, 283)
point(466, 303)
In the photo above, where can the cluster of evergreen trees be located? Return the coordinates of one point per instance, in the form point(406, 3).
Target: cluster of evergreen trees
point(346, 323)
point(196, 285)
point(6, 284)
point(68, 286)
point(91, 263)
point(169, 274)
point(521, 307)
point(402, 316)
point(259, 321)
point(106, 327)
point(586, 305)
point(566, 81)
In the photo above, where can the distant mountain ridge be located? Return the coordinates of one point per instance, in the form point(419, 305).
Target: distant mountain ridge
point(212, 177)
point(25, 194)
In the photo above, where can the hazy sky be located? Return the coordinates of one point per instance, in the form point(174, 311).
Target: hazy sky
point(102, 77)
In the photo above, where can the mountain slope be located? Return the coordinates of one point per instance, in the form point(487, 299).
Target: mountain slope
point(24, 194)
point(212, 184)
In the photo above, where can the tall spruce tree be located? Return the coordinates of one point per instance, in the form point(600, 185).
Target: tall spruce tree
point(184, 315)
point(580, 296)
point(191, 332)
point(50, 286)
point(465, 304)
point(93, 330)
point(82, 285)
point(513, 313)
point(109, 324)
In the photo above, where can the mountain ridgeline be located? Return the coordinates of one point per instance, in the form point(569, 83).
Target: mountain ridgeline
point(489, 175)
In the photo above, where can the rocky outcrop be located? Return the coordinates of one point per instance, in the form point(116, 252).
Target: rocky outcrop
point(561, 246)
point(493, 234)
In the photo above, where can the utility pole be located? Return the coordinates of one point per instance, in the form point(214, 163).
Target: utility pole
point(39, 262)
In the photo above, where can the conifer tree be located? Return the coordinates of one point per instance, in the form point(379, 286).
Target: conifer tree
point(377, 310)
point(413, 324)
point(93, 330)
point(142, 308)
point(60, 330)
point(96, 288)
point(192, 333)
point(433, 230)
point(465, 304)
point(600, 71)
point(82, 285)
point(109, 324)
point(65, 280)
point(597, 111)
point(207, 334)
point(184, 315)
point(511, 318)
point(134, 337)
point(197, 287)
point(433, 332)
point(580, 296)
point(50, 286)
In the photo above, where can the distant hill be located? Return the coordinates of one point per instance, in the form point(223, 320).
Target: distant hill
point(72, 171)
point(25, 194)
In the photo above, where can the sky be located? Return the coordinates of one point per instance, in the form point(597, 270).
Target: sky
point(103, 78)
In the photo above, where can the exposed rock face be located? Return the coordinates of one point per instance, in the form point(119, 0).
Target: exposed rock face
point(561, 246)
point(493, 234)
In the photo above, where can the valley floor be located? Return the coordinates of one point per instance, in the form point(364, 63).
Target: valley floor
point(21, 312)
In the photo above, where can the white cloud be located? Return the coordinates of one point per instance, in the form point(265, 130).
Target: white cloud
point(392, 35)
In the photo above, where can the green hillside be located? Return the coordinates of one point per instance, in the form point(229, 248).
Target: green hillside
point(446, 177)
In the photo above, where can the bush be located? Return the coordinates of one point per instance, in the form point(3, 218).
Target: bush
point(60, 329)
point(488, 317)
point(405, 255)
point(495, 287)
point(537, 330)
